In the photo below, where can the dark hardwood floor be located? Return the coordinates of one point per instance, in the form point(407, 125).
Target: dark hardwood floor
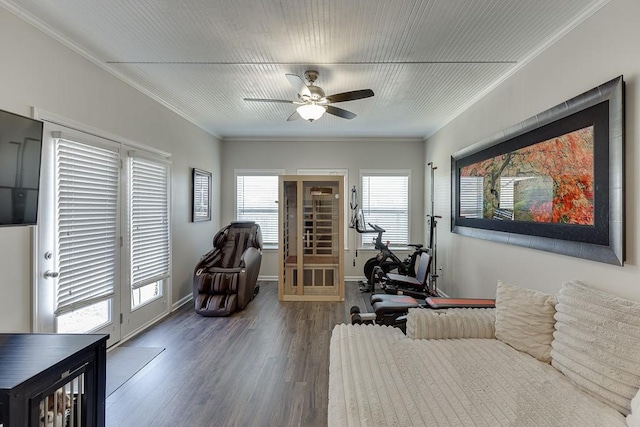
point(267, 365)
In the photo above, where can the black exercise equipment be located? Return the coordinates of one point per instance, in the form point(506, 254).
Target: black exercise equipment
point(391, 310)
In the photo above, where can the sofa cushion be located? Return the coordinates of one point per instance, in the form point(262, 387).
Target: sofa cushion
point(524, 319)
point(596, 343)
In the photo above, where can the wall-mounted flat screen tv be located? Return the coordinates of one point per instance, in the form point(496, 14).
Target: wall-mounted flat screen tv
point(20, 152)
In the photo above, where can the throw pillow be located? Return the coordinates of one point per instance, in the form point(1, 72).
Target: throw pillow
point(596, 344)
point(524, 319)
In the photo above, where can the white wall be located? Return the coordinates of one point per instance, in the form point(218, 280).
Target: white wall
point(601, 48)
point(38, 71)
point(351, 154)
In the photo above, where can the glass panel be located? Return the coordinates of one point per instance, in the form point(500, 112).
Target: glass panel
point(85, 319)
point(321, 229)
point(290, 235)
point(144, 294)
point(385, 202)
point(256, 201)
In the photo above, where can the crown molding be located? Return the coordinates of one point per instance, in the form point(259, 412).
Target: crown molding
point(46, 29)
point(324, 139)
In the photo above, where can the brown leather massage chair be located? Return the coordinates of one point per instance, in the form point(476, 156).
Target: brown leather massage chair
point(225, 278)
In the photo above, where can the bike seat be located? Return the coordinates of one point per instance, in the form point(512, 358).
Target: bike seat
point(417, 246)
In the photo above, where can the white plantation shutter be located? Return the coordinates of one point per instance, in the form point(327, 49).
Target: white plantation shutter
point(87, 182)
point(148, 221)
point(385, 202)
point(256, 200)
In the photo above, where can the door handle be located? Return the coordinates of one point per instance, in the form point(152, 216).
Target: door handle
point(51, 274)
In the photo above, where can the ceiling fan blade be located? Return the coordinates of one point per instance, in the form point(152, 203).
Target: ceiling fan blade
point(268, 100)
point(340, 112)
point(294, 116)
point(299, 84)
point(350, 96)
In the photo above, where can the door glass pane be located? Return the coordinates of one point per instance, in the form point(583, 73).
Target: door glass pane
point(86, 224)
point(144, 294)
point(289, 200)
point(85, 319)
point(321, 245)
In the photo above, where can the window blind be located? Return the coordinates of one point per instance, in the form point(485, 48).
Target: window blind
point(87, 179)
point(201, 203)
point(385, 202)
point(148, 221)
point(257, 201)
point(471, 196)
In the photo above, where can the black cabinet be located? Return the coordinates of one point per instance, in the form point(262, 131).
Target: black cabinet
point(34, 366)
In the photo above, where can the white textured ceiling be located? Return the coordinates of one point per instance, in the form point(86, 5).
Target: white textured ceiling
point(426, 60)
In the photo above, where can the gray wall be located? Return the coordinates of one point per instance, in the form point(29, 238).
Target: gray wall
point(601, 48)
point(37, 71)
point(351, 154)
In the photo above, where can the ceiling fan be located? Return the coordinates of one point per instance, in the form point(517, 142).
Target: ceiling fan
point(312, 101)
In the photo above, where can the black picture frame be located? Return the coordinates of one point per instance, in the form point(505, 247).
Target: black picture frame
point(201, 195)
point(601, 240)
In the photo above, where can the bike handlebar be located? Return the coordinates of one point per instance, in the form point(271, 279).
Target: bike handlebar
point(376, 228)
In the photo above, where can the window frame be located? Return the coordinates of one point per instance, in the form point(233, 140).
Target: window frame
point(257, 172)
point(362, 245)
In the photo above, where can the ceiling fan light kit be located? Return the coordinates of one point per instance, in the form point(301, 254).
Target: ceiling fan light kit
point(311, 112)
point(312, 101)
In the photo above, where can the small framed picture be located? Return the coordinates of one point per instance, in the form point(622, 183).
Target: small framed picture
point(201, 195)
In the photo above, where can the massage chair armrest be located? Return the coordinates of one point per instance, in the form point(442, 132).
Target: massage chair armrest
point(424, 323)
point(250, 257)
point(251, 260)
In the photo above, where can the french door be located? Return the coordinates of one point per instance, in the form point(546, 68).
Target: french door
point(103, 236)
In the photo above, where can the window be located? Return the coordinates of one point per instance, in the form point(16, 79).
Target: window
point(148, 227)
point(257, 200)
point(471, 196)
point(86, 231)
point(385, 202)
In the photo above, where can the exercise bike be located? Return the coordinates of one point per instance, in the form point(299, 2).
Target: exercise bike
point(423, 282)
point(386, 261)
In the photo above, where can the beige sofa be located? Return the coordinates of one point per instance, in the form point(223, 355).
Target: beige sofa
point(534, 360)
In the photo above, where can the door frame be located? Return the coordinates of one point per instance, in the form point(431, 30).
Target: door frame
point(146, 316)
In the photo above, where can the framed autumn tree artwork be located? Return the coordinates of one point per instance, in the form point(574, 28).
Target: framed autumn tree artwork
point(554, 182)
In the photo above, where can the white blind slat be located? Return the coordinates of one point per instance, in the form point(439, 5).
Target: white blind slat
point(385, 202)
point(87, 180)
point(149, 221)
point(256, 201)
point(471, 196)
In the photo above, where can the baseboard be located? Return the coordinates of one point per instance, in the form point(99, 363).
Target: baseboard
point(354, 278)
point(268, 278)
point(142, 328)
point(182, 301)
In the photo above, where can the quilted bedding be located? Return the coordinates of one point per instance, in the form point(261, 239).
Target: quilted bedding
point(379, 377)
